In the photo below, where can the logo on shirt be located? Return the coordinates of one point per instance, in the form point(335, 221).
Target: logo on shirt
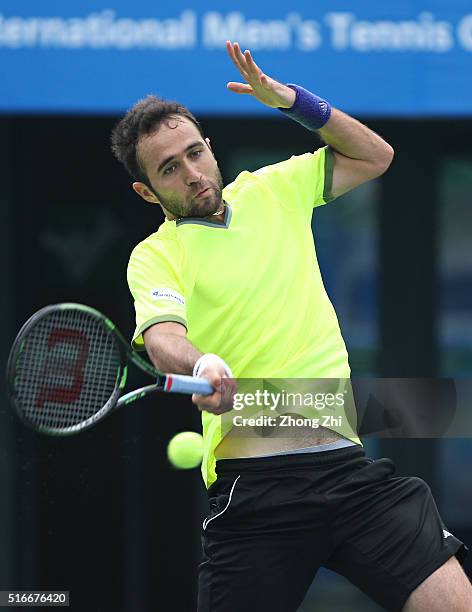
point(446, 534)
point(164, 293)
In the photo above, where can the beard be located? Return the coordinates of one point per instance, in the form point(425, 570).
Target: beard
point(196, 207)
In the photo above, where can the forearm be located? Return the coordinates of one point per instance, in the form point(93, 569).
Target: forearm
point(172, 353)
point(347, 136)
point(355, 140)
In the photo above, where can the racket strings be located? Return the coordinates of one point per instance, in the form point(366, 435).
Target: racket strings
point(67, 369)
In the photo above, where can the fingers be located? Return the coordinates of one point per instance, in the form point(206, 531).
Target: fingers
point(221, 400)
point(240, 88)
point(239, 56)
point(210, 403)
point(243, 62)
point(253, 67)
point(236, 58)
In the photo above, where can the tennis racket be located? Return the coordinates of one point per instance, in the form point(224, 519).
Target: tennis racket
point(67, 370)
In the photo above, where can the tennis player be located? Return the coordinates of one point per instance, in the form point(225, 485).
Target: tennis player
point(229, 288)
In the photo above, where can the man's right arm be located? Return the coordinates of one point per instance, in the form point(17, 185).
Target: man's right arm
point(170, 351)
point(168, 348)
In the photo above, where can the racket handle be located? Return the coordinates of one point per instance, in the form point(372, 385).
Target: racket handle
point(179, 383)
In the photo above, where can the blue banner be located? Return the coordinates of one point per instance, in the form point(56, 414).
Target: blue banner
point(378, 59)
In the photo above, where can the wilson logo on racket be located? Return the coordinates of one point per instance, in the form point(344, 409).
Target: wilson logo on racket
point(57, 367)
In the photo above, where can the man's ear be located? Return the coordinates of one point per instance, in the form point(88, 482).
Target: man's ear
point(143, 190)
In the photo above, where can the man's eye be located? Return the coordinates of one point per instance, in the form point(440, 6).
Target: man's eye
point(169, 169)
point(196, 153)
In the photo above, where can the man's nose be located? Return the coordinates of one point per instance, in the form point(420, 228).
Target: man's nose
point(192, 175)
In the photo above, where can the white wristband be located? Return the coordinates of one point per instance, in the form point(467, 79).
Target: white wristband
point(205, 360)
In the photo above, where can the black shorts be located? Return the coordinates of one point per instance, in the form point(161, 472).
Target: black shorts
point(274, 521)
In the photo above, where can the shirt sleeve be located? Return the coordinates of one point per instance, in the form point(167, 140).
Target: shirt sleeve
point(155, 282)
point(303, 180)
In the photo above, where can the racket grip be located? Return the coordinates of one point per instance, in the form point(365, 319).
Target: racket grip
point(179, 383)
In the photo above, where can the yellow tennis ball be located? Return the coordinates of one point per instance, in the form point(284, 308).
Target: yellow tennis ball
point(185, 450)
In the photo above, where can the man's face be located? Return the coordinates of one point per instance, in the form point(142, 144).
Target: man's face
point(181, 169)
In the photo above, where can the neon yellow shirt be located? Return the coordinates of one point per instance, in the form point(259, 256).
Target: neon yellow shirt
point(249, 290)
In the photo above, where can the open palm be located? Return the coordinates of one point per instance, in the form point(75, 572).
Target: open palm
point(265, 89)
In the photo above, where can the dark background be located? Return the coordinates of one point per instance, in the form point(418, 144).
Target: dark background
point(102, 514)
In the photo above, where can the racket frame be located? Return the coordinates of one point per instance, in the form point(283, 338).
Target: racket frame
point(174, 383)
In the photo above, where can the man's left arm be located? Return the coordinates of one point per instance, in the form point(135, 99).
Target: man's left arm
point(359, 153)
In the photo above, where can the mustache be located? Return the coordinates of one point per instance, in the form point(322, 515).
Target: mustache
point(201, 188)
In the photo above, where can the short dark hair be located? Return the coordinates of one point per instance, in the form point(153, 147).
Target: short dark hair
point(141, 120)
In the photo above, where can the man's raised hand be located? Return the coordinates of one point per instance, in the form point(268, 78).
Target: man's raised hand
point(262, 87)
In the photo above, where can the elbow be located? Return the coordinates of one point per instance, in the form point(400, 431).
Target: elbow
point(384, 159)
